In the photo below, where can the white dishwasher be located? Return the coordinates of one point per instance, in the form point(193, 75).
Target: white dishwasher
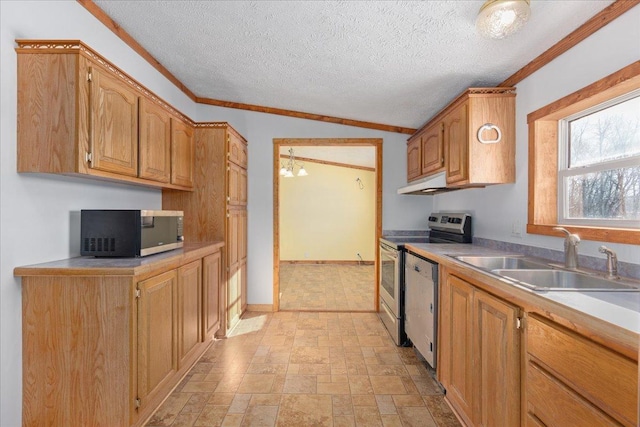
point(420, 304)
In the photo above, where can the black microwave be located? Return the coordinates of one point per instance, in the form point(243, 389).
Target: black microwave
point(129, 233)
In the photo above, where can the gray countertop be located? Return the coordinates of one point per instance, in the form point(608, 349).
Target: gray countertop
point(621, 309)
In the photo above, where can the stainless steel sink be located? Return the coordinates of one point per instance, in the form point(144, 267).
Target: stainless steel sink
point(561, 280)
point(511, 262)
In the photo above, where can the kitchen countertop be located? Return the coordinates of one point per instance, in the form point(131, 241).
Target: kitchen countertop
point(621, 309)
point(92, 266)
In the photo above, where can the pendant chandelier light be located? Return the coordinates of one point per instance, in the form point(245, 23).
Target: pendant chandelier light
point(286, 170)
point(498, 19)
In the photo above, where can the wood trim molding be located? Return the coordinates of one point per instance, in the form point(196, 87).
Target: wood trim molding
point(112, 25)
point(599, 20)
point(308, 116)
point(327, 162)
point(375, 142)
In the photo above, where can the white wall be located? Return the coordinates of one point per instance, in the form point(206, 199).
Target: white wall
point(39, 213)
point(495, 208)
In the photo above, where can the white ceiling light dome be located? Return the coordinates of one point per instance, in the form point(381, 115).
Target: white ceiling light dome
point(498, 19)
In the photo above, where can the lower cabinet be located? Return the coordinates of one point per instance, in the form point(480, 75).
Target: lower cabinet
point(157, 359)
point(571, 380)
point(480, 354)
point(104, 345)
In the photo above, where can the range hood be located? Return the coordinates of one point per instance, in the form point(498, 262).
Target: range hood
point(427, 187)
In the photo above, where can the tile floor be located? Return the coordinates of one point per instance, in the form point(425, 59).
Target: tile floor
point(307, 369)
point(335, 287)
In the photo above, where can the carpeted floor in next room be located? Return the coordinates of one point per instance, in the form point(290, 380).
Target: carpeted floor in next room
point(307, 369)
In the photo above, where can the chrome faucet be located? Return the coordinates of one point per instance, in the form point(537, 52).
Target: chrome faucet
point(570, 248)
point(612, 262)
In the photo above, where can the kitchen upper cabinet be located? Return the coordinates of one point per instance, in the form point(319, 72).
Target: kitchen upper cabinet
point(479, 354)
point(414, 167)
point(183, 153)
point(456, 140)
point(472, 139)
point(157, 315)
point(80, 115)
point(432, 143)
point(113, 124)
point(155, 142)
point(571, 380)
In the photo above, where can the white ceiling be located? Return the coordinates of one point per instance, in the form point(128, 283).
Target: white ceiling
point(389, 62)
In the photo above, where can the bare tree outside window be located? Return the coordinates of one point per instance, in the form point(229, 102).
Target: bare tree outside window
point(601, 177)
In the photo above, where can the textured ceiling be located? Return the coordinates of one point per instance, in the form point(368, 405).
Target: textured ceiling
point(390, 62)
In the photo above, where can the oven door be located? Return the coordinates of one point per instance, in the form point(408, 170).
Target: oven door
point(390, 278)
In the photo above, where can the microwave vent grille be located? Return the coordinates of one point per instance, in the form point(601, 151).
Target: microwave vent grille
point(99, 244)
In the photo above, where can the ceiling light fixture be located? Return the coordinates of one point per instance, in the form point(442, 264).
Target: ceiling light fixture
point(498, 19)
point(286, 171)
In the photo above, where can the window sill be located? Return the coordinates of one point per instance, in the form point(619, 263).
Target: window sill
point(630, 236)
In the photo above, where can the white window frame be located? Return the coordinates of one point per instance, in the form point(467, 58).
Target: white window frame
point(564, 172)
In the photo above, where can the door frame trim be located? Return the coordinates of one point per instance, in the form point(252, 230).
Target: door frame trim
point(277, 143)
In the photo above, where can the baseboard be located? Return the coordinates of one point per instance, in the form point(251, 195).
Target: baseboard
point(260, 307)
point(341, 262)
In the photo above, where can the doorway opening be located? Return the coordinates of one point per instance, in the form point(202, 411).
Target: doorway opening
point(327, 222)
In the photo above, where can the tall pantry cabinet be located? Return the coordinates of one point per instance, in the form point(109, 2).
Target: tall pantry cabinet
point(216, 209)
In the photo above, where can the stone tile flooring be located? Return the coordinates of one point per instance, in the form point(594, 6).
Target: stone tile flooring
point(335, 287)
point(307, 369)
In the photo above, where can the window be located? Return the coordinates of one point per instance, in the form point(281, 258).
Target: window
point(599, 165)
point(584, 161)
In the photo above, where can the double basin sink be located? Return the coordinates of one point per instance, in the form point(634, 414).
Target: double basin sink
point(537, 275)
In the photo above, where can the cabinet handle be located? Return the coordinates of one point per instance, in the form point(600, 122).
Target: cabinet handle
point(489, 126)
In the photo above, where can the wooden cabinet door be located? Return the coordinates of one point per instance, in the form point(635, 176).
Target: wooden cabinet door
point(237, 150)
point(235, 172)
point(235, 242)
point(496, 349)
point(460, 390)
point(155, 142)
point(243, 187)
point(211, 270)
point(414, 169)
point(456, 142)
point(182, 153)
point(243, 286)
point(113, 125)
point(189, 310)
point(433, 149)
point(157, 358)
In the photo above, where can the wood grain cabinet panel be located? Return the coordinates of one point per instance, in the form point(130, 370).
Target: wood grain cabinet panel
point(157, 315)
point(189, 311)
point(479, 354)
point(456, 141)
point(182, 153)
point(432, 150)
point(211, 273)
point(79, 115)
point(414, 168)
point(113, 124)
point(600, 376)
point(155, 142)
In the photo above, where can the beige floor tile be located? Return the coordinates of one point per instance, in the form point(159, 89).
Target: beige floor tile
point(386, 405)
point(267, 368)
point(239, 404)
point(440, 411)
point(260, 416)
point(196, 403)
point(211, 416)
point(304, 384)
point(185, 420)
point(232, 420)
point(363, 400)
point(221, 399)
point(333, 388)
point(342, 405)
point(391, 420)
point(256, 383)
point(300, 409)
point(309, 355)
point(413, 416)
point(388, 385)
point(360, 384)
point(200, 387)
point(168, 412)
point(270, 399)
point(367, 416)
point(344, 421)
point(408, 400)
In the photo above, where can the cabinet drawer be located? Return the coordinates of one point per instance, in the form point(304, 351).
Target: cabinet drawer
point(552, 403)
point(604, 377)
